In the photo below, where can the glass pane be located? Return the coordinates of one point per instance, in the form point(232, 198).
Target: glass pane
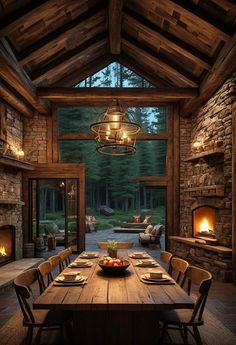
point(72, 206)
point(78, 120)
point(115, 75)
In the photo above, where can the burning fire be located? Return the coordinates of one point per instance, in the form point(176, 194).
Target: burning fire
point(3, 251)
point(204, 226)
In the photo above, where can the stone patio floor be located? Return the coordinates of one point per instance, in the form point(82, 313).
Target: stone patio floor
point(221, 301)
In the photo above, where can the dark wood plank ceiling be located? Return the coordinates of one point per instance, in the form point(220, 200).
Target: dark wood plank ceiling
point(172, 43)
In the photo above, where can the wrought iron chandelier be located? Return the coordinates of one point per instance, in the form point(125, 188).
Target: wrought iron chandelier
point(115, 135)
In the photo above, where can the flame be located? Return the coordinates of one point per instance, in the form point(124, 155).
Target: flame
point(3, 251)
point(204, 226)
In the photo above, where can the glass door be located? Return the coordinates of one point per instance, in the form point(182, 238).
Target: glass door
point(54, 210)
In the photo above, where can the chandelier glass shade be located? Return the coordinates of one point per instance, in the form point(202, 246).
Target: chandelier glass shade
point(114, 134)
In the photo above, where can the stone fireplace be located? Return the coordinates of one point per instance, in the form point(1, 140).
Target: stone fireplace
point(7, 244)
point(204, 224)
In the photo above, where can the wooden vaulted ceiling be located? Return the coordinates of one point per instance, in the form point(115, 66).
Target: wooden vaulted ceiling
point(171, 43)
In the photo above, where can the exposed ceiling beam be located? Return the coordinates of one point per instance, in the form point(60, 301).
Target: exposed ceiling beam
point(115, 18)
point(14, 75)
point(69, 57)
point(84, 72)
point(189, 9)
point(175, 43)
point(64, 32)
point(224, 66)
point(169, 66)
point(33, 8)
point(107, 94)
point(134, 66)
point(14, 100)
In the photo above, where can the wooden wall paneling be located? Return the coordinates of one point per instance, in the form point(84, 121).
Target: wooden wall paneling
point(3, 129)
point(234, 190)
point(55, 148)
point(115, 17)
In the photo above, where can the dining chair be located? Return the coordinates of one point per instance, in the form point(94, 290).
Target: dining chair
point(55, 261)
point(185, 319)
point(165, 258)
point(64, 258)
point(177, 270)
point(45, 275)
point(41, 319)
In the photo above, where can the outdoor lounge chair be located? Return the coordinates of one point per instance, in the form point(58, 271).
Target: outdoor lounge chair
point(138, 223)
point(152, 235)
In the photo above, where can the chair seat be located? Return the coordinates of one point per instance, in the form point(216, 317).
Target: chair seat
point(48, 318)
point(178, 317)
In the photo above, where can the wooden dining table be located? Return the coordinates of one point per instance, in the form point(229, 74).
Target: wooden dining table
point(114, 309)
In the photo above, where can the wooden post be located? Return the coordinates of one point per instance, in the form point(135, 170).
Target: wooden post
point(234, 191)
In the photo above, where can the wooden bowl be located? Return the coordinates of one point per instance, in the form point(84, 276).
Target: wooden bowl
point(113, 270)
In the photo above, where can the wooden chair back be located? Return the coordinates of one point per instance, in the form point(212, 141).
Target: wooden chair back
point(178, 268)
point(166, 257)
point(64, 258)
point(120, 245)
point(55, 263)
point(203, 279)
point(22, 285)
point(45, 273)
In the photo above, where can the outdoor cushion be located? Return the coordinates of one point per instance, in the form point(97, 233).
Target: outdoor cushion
point(147, 219)
point(149, 230)
point(137, 219)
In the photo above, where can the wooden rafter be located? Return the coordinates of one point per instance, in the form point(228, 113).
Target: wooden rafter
point(204, 19)
point(84, 72)
point(33, 8)
point(12, 73)
point(173, 69)
point(63, 32)
point(134, 66)
point(174, 42)
point(222, 69)
point(69, 57)
point(107, 94)
point(9, 95)
point(115, 17)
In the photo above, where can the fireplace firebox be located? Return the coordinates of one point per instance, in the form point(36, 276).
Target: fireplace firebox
point(204, 224)
point(7, 244)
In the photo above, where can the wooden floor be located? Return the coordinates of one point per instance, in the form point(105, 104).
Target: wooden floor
point(221, 302)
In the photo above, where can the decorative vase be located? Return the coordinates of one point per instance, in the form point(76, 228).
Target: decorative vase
point(112, 252)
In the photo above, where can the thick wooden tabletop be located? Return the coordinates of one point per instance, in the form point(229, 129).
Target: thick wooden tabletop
point(125, 292)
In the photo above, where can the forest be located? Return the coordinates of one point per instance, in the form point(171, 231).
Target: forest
point(114, 181)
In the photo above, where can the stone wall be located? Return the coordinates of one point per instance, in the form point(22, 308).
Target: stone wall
point(11, 179)
point(210, 128)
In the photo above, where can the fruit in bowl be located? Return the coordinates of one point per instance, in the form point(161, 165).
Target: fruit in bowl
point(113, 265)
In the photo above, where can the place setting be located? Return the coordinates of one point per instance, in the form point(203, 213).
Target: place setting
point(70, 279)
point(89, 255)
point(147, 263)
point(80, 264)
point(139, 255)
point(156, 277)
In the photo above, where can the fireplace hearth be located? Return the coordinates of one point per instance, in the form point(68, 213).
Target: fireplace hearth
point(7, 244)
point(204, 224)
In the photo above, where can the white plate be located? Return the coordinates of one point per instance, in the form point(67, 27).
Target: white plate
point(141, 256)
point(144, 264)
point(164, 278)
point(88, 256)
point(78, 279)
point(80, 265)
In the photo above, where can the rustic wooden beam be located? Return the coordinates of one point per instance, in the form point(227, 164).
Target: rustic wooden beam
point(107, 94)
point(234, 190)
point(90, 136)
point(169, 66)
point(32, 8)
point(64, 32)
point(190, 10)
point(115, 18)
point(14, 100)
point(167, 38)
point(134, 66)
point(14, 75)
point(80, 74)
point(69, 57)
point(221, 70)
